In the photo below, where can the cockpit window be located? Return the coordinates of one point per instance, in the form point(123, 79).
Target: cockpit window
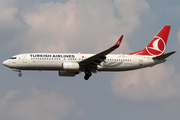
point(13, 57)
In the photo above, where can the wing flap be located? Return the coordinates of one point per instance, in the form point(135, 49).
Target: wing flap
point(96, 63)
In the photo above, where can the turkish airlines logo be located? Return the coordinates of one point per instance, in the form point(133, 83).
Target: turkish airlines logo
point(156, 47)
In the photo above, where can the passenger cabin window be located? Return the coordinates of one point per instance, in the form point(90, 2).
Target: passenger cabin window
point(12, 57)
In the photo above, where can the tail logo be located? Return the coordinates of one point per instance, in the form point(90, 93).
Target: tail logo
point(156, 47)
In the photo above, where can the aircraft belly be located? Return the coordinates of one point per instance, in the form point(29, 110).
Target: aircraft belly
point(119, 68)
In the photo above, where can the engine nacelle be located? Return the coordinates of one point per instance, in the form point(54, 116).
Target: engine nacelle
point(67, 73)
point(69, 66)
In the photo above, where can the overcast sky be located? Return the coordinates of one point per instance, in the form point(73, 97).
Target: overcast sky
point(88, 26)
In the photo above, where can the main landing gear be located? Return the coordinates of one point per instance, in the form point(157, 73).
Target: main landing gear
point(87, 74)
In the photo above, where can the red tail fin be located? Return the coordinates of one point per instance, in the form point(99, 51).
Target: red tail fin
point(157, 45)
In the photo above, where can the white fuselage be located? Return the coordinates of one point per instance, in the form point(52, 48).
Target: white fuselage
point(54, 61)
point(70, 64)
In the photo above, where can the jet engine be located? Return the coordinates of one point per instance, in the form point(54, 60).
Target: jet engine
point(67, 73)
point(69, 66)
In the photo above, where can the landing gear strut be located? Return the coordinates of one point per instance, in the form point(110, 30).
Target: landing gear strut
point(87, 74)
point(20, 74)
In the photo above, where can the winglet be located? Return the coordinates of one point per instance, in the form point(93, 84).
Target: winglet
point(118, 42)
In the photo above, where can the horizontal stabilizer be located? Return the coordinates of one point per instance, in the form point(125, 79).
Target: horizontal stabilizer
point(161, 57)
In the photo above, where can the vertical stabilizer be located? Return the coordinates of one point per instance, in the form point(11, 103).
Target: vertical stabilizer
point(157, 45)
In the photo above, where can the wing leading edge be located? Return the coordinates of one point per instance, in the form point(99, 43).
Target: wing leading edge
point(95, 60)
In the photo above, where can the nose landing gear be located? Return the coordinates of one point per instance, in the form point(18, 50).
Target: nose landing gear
point(18, 70)
point(20, 74)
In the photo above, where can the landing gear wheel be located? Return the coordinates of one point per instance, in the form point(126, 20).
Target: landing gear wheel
point(86, 77)
point(89, 74)
point(20, 74)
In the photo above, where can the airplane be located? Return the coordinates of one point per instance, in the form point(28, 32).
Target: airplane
point(70, 64)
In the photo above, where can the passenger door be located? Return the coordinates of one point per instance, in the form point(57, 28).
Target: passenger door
point(24, 58)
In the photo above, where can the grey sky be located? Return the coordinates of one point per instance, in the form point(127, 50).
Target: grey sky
point(88, 27)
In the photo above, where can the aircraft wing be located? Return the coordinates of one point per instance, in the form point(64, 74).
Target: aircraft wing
point(95, 60)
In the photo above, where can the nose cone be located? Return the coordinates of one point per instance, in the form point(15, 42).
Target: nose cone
point(5, 63)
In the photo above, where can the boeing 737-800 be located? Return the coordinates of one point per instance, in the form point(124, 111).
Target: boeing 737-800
point(70, 64)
